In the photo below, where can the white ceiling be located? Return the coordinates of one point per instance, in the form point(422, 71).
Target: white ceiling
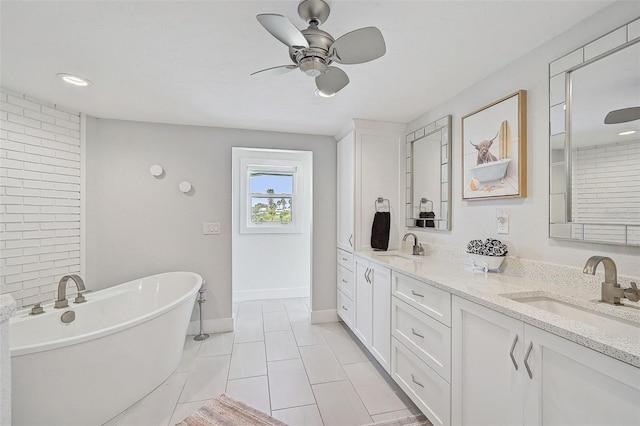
point(188, 62)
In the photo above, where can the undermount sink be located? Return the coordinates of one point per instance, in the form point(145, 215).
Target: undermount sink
point(397, 253)
point(618, 326)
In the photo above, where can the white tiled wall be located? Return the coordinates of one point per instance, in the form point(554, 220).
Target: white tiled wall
point(39, 197)
point(606, 183)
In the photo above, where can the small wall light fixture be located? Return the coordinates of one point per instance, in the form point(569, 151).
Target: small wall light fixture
point(156, 170)
point(184, 186)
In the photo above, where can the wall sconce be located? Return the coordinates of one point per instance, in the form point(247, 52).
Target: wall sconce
point(156, 170)
point(184, 186)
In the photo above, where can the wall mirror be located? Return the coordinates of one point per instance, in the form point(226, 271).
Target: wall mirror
point(428, 177)
point(594, 127)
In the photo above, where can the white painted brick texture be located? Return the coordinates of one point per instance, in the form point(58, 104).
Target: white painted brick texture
point(39, 197)
point(606, 190)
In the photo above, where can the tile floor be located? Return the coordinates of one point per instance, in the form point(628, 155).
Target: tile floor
point(278, 362)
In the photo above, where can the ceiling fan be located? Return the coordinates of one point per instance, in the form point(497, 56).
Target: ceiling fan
point(313, 50)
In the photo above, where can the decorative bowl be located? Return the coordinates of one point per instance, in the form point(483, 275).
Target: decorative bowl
point(488, 263)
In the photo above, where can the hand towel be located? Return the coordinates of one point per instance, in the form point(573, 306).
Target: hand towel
point(380, 230)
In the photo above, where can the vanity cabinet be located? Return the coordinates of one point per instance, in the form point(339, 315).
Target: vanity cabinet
point(346, 287)
point(508, 372)
point(421, 345)
point(372, 323)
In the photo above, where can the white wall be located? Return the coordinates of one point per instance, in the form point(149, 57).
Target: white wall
point(528, 217)
point(40, 197)
point(273, 265)
point(138, 225)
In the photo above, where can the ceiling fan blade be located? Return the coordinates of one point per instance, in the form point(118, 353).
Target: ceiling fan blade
point(282, 69)
point(356, 47)
point(331, 81)
point(622, 115)
point(281, 28)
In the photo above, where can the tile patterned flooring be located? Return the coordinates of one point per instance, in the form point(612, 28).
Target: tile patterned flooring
point(278, 362)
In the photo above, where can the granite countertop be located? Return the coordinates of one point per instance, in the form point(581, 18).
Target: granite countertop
point(496, 291)
point(7, 306)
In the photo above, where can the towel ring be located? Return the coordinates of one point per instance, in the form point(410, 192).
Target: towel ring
point(382, 203)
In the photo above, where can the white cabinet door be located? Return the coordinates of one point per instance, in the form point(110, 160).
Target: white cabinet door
point(377, 175)
point(346, 172)
point(486, 384)
point(574, 385)
point(381, 315)
point(363, 301)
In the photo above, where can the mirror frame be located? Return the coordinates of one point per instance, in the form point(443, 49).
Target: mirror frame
point(560, 90)
point(442, 223)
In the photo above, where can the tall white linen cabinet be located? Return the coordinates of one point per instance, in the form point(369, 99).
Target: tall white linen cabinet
point(369, 156)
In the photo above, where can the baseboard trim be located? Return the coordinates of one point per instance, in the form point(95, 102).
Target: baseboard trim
point(328, 315)
point(220, 325)
point(271, 293)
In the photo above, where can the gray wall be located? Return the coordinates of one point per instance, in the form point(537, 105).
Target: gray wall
point(138, 225)
point(528, 217)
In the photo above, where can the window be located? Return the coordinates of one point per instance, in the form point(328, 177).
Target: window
point(271, 196)
point(269, 202)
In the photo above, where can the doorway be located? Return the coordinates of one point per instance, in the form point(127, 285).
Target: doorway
point(272, 206)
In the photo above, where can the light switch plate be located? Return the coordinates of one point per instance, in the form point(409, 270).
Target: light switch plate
point(211, 228)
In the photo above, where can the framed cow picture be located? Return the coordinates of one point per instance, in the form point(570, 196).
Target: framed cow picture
point(494, 150)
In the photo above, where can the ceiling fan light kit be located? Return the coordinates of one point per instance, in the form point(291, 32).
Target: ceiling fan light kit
point(313, 50)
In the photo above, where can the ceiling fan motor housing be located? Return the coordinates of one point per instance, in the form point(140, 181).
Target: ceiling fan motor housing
point(314, 59)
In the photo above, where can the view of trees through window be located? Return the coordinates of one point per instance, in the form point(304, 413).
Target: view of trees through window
point(271, 197)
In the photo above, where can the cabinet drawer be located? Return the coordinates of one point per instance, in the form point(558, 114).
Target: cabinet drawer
point(432, 301)
point(345, 259)
point(345, 309)
point(345, 281)
point(427, 338)
point(426, 389)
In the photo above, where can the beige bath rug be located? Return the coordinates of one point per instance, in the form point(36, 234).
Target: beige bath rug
point(226, 411)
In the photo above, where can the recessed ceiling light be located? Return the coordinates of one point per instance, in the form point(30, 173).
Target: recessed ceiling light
point(74, 79)
point(320, 94)
point(628, 132)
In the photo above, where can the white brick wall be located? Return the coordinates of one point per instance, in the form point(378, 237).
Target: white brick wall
point(39, 197)
point(606, 183)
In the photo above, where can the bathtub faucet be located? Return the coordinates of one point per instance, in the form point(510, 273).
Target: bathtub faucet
point(61, 301)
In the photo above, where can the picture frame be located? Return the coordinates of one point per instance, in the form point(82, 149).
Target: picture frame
point(494, 150)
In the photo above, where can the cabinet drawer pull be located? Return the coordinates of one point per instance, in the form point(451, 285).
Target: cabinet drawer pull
point(416, 294)
point(351, 240)
point(369, 275)
point(526, 358)
point(345, 281)
point(416, 334)
point(513, 359)
point(345, 259)
point(345, 308)
point(413, 379)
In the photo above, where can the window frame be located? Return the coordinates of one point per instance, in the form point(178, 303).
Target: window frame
point(250, 166)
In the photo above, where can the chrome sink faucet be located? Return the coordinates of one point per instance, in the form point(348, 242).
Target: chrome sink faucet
point(611, 291)
point(417, 248)
point(61, 301)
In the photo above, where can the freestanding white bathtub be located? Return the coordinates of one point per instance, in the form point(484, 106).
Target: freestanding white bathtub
point(124, 342)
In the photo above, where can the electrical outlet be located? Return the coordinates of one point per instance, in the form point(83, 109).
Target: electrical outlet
point(502, 221)
point(211, 228)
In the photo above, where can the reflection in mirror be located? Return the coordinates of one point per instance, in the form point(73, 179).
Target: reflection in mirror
point(429, 177)
point(595, 167)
